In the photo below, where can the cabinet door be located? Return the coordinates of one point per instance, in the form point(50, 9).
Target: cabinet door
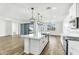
point(73, 11)
point(41, 45)
point(77, 11)
point(34, 46)
point(45, 40)
point(26, 46)
point(73, 47)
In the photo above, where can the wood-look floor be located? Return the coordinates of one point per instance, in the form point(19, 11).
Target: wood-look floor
point(13, 45)
point(54, 47)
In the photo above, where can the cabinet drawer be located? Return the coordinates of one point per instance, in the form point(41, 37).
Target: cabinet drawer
point(73, 51)
point(74, 44)
point(73, 47)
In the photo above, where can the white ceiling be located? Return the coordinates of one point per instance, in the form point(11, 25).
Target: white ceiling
point(22, 11)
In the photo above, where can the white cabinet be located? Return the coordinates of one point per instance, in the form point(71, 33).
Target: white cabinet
point(72, 11)
point(43, 43)
point(77, 10)
point(35, 46)
point(73, 48)
point(26, 45)
point(67, 26)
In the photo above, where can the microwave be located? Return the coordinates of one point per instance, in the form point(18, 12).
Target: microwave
point(74, 23)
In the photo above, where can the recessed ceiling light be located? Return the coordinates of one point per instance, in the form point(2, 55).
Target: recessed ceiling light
point(48, 8)
point(54, 16)
point(54, 8)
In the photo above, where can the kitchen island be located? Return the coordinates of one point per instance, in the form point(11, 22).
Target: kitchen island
point(34, 44)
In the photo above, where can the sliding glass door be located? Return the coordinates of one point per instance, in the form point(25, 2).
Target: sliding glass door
point(24, 29)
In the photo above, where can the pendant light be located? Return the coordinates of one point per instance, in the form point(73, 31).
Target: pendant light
point(32, 19)
point(41, 19)
point(38, 20)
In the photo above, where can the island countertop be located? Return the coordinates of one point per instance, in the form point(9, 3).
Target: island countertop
point(31, 36)
point(52, 33)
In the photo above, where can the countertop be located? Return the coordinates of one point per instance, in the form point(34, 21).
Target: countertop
point(71, 35)
point(52, 33)
point(30, 36)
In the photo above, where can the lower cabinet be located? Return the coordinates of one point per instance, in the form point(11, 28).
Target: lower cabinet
point(35, 46)
point(43, 43)
point(73, 48)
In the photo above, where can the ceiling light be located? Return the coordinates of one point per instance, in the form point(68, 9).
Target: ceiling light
point(54, 8)
point(48, 8)
point(54, 16)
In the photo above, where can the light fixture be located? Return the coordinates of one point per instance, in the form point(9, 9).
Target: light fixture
point(54, 8)
point(32, 19)
point(38, 17)
point(39, 21)
point(54, 16)
point(41, 17)
point(48, 8)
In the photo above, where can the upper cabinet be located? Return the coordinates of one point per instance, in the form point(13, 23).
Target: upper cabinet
point(72, 11)
point(77, 9)
point(71, 22)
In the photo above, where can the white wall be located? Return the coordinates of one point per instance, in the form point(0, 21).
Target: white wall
point(15, 28)
point(2, 28)
point(9, 27)
point(58, 26)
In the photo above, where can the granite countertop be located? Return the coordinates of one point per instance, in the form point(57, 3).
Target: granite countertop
point(30, 36)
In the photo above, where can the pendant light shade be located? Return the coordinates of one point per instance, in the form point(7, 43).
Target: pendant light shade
point(32, 19)
point(41, 19)
point(38, 18)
